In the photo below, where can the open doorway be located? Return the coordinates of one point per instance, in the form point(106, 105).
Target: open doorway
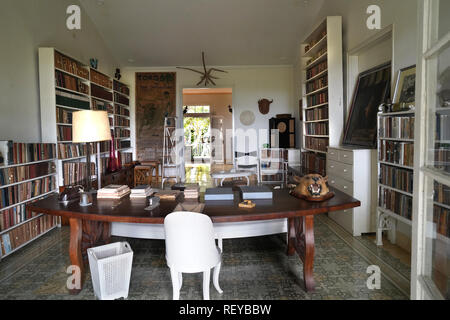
point(207, 121)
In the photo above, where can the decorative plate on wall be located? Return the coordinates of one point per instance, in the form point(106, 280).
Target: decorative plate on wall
point(247, 118)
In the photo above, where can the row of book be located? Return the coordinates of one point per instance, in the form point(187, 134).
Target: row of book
point(316, 99)
point(101, 93)
point(66, 81)
point(24, 191)
point(101, 79)
point(64, 133)
point(320, 144)
point(119, 87)
point(26, 232)
point(126, 157)
point(401, 153)
point(69, 65)
point(72, 100)
point(396, 202)
point(442, 127)
point(121, 121)
point(397, 178)
point(21, 173)
point(314, 162)
point(70, 150)
point(63, 115)
point(121, 133)
point(313, 42)
point(312, 72)
point(75, 172)
point(317, 84)
point(12, 216)
point(319, 128)
point(102, 106)
point(441, 217)
point(17, 153)
point(317, 114)
point(119, 110)
point(121, 99)
point(396, 127)
point(441, 193)
point(442, 157)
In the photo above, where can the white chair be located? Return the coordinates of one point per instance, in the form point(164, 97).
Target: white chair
point(248, 161)
point(191, 248)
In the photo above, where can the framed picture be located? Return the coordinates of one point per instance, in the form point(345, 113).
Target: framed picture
point(405, 87)
point(372, 89)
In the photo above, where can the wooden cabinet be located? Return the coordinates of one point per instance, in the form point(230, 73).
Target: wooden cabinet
point(349, 171)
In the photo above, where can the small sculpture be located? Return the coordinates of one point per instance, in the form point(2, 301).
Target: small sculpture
point(94, 63)
point(117, 74)
point(312, 187)
point(207, 77)
point(264, 106)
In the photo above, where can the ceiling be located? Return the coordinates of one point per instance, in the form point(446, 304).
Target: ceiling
point(174, 32)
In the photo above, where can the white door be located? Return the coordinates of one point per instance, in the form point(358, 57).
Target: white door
point(430, 267)
point(217, 141)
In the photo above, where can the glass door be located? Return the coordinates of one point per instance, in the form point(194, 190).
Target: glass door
point(430, 274)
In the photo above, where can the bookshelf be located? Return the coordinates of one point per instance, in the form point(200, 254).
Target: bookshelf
point(322, 92)
point(28, 173)
point(395, 171)
point(122, 133)
point(68, 85)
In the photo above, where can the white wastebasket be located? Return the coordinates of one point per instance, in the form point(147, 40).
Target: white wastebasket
point(111, 270)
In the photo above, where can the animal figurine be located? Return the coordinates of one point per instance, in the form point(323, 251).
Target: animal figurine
point(312, 187)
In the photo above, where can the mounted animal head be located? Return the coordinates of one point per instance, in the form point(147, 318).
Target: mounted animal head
point(264, 106)
point(311, 185)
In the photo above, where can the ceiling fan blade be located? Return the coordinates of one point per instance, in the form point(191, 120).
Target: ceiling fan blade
point(218, 70)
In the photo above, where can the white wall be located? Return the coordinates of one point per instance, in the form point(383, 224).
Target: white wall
point(249, 84)
point(26, 25)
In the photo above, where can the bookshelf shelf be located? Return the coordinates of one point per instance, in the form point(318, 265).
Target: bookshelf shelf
point(72, 91)
point(316, 76)
point(322, 91)
point(98, 84)
point(317, 91)
point(396, 144)
point(315, 48)
point(14, 195)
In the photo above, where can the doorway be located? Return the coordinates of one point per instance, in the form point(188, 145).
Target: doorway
point(197, 134)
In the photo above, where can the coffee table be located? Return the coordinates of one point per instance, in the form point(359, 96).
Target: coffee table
point(231, 174)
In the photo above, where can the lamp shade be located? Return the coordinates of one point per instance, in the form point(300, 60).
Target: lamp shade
point(90, 126)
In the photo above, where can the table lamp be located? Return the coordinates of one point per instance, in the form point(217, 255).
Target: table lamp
point(90, 126)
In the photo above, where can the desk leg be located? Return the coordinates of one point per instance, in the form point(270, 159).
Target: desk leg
point(76, 259)
point(301, 240)
point(95, 233)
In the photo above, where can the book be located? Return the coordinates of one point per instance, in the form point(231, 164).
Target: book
point(167, 194)
point(141, 191)
point(219, 194)
point(256, 192)
point(113, 191)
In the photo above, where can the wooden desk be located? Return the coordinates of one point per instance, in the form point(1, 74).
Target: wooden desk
point(90, 226)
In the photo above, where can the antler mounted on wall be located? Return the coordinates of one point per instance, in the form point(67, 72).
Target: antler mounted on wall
point(206, 74)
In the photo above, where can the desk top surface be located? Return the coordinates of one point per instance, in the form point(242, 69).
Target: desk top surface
point(283, 205)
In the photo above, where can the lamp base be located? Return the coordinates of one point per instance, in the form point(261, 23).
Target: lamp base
point(85, 199)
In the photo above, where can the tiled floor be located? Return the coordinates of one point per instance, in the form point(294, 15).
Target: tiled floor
point(253, 268)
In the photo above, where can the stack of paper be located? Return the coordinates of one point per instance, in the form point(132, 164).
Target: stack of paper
point(113, 191)
point(191, 191)
point(142, 191)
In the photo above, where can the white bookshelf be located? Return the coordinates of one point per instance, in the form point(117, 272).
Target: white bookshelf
point(387, 218)
point(327, 49)
point(13, 215)
point(50, 107)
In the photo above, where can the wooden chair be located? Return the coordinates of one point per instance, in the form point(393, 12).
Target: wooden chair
point(143, 175)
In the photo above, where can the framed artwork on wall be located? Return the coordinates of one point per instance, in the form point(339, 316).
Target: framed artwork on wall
point(372, 89)
point(405, 89)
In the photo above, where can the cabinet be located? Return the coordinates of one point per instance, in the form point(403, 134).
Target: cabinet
point(349, 171)
point(282, 132)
